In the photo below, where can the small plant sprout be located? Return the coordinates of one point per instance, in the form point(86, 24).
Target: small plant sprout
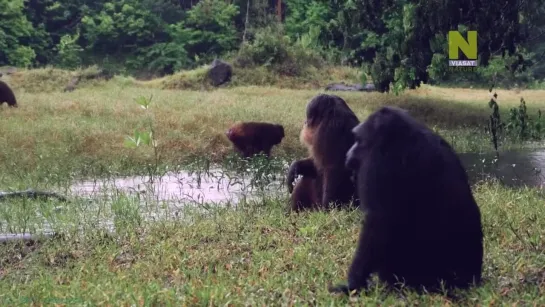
point(140, 137)
point(144, 102)
point(145, 137)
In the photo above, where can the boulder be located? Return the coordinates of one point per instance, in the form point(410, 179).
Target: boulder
point(369, 87)
point(219, 73)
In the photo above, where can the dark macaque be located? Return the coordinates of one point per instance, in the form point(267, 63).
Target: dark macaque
point(422, 225)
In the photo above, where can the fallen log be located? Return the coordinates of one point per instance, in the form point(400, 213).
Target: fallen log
point(31, 194)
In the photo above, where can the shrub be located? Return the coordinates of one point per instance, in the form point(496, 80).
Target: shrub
point(269, 47)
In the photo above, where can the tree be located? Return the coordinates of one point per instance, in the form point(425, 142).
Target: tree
point(408, 36)
point(15, 34)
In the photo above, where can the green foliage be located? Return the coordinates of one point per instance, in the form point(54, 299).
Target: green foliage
point(120, 26)
point(213, 31)
point(524, 127)
point(495, 125)
point(142, 137)
point(507, 72)
point(139, 138)
point(126, 216)
point(269, 47)
point(168, 56)
point(14, 30)
point(306, 16)
point(340, 27)
point(520, 126)
point(400, 42)
point(276, 51)
point(69, 52)
point(145, 137)
point(129, 27)
point(404, 42)
point(22, 56)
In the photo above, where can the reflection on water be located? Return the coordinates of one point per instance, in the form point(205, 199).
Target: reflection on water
point(155, 198)
point(213, 187)
point(512, 168)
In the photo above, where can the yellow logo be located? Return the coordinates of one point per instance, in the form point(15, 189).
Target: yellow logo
point(457, 43)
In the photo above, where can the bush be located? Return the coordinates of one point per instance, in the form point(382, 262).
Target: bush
point(269, 47)
point(69, 52)
point(22, 56)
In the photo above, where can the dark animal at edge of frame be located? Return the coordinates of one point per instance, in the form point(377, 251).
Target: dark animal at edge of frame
point(7, 95)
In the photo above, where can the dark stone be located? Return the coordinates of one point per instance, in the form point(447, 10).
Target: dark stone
point(369, 87)
point(219, 73)
point(31, 194)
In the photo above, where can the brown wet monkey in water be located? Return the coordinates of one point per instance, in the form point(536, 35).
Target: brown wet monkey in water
point(422, 224)
point(327, 133)
point(6, 95)
point(250, 138)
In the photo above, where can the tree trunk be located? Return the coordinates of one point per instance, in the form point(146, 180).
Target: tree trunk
point(279, 10)
point(246, 21)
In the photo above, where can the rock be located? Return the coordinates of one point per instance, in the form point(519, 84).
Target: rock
point(219, 73)
point(101, 74)
point(339, 87)
point(369, 87)
point(30, 193)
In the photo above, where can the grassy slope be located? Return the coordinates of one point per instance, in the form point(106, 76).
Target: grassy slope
point(254, 255)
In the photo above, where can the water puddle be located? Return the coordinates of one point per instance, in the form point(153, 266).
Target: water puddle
point(213, 187)
point(512, 168)
point(166, 196)
point(155, 198)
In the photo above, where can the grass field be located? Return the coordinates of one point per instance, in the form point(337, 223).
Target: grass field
point(249, 255)
point(83, 131)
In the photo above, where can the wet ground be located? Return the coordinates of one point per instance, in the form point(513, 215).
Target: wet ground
point(513, 168)
point(165, 196)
